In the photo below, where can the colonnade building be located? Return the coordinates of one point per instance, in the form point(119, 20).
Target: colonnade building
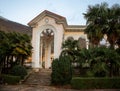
point(49, 30)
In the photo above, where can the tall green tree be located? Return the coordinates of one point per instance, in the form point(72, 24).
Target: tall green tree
point(21, 47)
point(70, 47)
point(113, 24)
point(15, 48)
point(96, 19)
point(103, 20)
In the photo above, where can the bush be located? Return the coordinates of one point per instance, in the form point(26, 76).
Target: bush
point(55, 71)
point(101, 62)
point(61, 71)
point(19, 70)
point(10, 79)
point(93, 83)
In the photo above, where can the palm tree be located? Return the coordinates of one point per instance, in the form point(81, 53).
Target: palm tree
point(101, 61)
point(21, 47)
point(96, 21)
point(5, 49)
point(94, 34)
point(103, 20)
point(113, 24)
point(70, 47)
point(14, 49)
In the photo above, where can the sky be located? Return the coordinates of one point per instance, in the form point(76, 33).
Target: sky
point(23, 11)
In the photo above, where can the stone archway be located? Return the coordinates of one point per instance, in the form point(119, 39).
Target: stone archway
point(46, 47)
point(46, 30)
point(82, 42)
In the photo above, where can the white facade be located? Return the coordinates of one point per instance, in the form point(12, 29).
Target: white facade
point(49, 30)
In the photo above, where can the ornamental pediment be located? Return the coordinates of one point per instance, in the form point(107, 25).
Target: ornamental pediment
point(58, 18)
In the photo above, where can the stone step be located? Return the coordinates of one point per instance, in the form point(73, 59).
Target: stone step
point(43, 77)
point(45, 70)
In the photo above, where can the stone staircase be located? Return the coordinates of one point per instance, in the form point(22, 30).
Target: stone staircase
point(43, 78)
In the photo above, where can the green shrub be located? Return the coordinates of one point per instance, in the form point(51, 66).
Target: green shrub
point(61, 71)
point(55, 72)
point(93, 83)
point(19, 70)
point(101, 62)
point(10, 79)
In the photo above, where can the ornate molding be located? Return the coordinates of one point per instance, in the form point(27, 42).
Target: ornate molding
point(33, 25)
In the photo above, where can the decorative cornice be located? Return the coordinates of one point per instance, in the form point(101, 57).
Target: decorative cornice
point(75, 27)
point(33, 25)
point(57, 17)
point(59, 20)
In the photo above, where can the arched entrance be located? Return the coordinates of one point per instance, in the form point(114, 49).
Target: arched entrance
point(45, 42)
point(46, 47)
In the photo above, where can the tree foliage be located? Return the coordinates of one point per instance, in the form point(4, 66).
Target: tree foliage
point(102, 20)
point(14, 49)
point(100, 62)
point(18, 70)
point(61, 70)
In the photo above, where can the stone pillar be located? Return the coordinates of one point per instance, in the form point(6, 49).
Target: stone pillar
point(87, 42)
point(46, 54)
point(41, 47)
point(36, 47)
point(49, 56)
point(56, 50)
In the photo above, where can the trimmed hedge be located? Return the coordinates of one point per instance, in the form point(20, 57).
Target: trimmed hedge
point(10, 79)
point(19, 70)
point(61, 71)
point(95, 83)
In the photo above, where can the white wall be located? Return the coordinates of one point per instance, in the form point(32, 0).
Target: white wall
point(58, 38)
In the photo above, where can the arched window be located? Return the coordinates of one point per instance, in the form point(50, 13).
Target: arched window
point(47, 32)
point(70, 38)
point(81, 43)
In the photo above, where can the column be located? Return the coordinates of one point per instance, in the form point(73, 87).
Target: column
point(87, 42)
point(36, 48)
point(41, 47)
point(49, 56)
point(46, 54)
point(56, 47)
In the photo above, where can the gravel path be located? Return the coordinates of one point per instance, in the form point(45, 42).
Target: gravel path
point(43, 88)
point(31, 88)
